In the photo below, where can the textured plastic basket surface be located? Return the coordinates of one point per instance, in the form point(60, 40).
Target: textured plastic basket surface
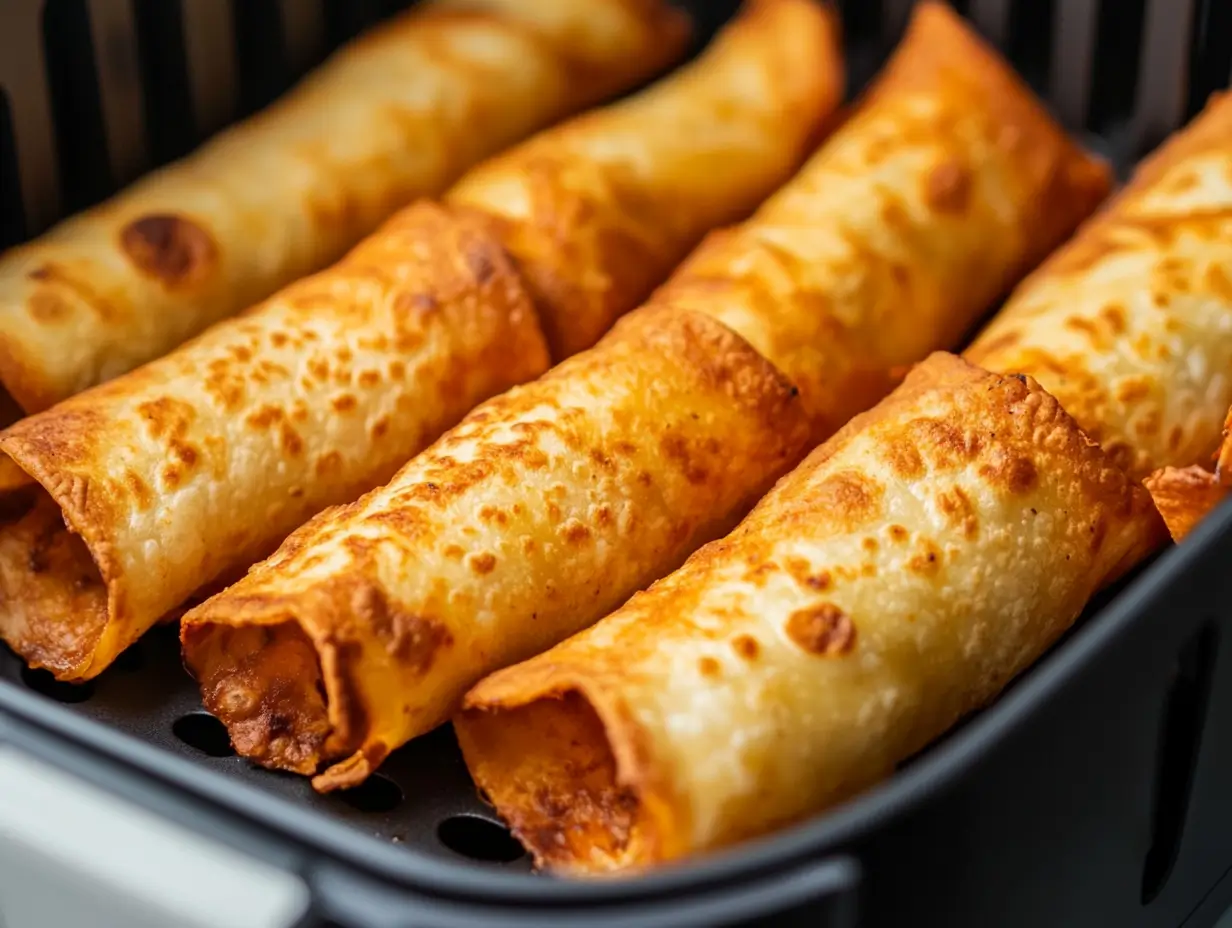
point(1095, 792)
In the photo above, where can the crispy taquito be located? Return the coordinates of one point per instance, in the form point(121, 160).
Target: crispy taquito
point(539, 513)
point(188, 470)
point(399, 113)
point(895, 581)
point(368, 626)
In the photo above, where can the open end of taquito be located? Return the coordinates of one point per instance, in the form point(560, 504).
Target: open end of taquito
point(1184, 496)
point(562, 767)
point(55, 592)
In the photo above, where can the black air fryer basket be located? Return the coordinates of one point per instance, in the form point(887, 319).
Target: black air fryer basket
point(1096, 792)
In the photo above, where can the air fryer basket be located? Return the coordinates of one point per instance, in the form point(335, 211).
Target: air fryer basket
point(1095, 792)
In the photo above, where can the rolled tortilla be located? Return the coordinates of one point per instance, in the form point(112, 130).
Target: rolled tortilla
point(895, 581)
point(363, 299)
point(787, 287)
point(398, 114)
point(631, 196)
point(945, 186)
point(1130, 324)
point(538, 514)
point(173, 476)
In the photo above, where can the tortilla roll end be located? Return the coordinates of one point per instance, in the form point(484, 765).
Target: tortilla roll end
point(1184, 496)
point(896, 581)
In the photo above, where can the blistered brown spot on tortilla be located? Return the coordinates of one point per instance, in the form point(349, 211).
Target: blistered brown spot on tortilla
point(708, 667)
point(847, 495)
point(344, 402)
point(170, 248)
point(292, 442)
point(948, 187)
point(1114, 315)
point(928, 561)
point(898, 533)
point(574, 532)
point(167, 417)
point(746, 646)
point(1011, 471)
point(329, 463)
point(903, 458)
point(142, 495)
point(801, 571)
point(47, 307)
point(1133, 389)
point(956, 506)
point(824, 630)
point(483, 563)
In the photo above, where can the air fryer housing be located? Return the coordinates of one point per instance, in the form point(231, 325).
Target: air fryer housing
point(1094, 792)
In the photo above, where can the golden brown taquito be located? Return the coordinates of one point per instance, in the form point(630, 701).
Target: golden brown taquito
point(894, 582)
point(538, 514)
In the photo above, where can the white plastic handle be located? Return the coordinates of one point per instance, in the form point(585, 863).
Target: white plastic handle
point(72, 855)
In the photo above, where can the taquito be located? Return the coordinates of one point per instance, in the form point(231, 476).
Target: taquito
point(399, 113)
point(539, 513)
point(1129, 325)
point(632, 199)
point(894, 582)
point(946, 185)
point(376, 357)
point(302, 675)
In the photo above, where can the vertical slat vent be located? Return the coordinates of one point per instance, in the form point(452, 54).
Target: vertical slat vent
point(23, 75)
point(261, 57)
point(1211, 52)
point(209, 44)
point(303, 30)
point(12, 214)
point(114, 37)
point(85, 170)
point(1163, 76)
point(1075, 26)
point(1117, 63)
point(168, 99)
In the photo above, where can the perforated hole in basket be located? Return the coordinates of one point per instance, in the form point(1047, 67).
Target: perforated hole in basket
point(202, 731)
point(378, 793)
point(480, 839)
point(42, 681)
